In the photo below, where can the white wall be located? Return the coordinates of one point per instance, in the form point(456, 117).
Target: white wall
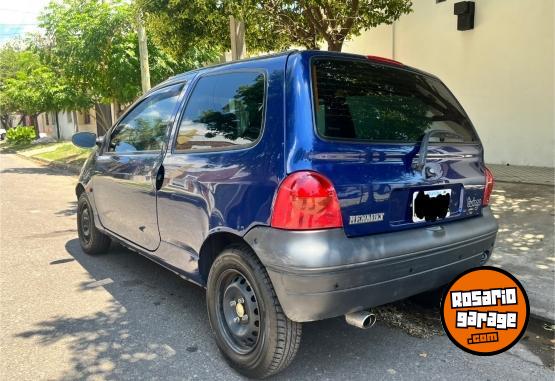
point(502, 71)
point(67, 125)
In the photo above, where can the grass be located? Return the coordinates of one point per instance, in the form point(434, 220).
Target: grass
point(66, 153)
point(59, 152)
point(31, 147)
point(24, 147)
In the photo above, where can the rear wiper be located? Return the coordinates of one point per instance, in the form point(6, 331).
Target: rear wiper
point(423, 151)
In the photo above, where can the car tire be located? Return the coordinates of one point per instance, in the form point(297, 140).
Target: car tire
point(92, 240)
point(267, 341)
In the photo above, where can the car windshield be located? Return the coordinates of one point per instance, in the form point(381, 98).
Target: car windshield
point(361, 100)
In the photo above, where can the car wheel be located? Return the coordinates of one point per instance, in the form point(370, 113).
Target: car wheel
point(251, 330)
point(92, 240)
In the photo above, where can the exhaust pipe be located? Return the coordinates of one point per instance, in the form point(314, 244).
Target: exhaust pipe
point(361, 319)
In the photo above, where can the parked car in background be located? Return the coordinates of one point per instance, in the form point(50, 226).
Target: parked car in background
point(294, 187)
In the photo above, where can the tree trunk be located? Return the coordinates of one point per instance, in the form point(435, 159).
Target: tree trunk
point(58, 126)
point(75, 121)
point(237, 34)
point(103, 117)
point(143, 54)
point(5, 118)
point(35, 120)
point(335, 46)
point(115, 113)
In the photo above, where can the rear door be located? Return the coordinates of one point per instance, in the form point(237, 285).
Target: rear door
point(370, 120)
point(125, 184)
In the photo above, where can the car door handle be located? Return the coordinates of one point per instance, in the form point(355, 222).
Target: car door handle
point(160, 177)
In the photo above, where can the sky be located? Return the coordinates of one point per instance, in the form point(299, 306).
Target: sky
point(18, 17)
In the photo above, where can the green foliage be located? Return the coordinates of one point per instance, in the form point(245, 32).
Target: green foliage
point(189, 27)
point(91, 44)
point(310, 22)
point(31, 87)
point(183, 25)
point(21, 135)
point(94, 45)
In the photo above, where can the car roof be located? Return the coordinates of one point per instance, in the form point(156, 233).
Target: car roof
point(235, 64)
point(238, 64)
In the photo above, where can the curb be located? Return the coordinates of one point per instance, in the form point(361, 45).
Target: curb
point(523, 182)
point(73, 169)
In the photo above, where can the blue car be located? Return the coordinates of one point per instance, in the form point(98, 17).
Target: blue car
point(293, 187)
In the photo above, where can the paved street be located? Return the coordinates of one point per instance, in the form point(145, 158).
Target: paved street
point(66, 315)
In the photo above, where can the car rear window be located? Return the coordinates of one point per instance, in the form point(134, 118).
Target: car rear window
point(360, 100)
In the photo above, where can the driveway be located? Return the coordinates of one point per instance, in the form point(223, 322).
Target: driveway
point(65, 315)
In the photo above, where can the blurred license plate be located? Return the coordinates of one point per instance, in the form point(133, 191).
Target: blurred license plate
point(430, 205)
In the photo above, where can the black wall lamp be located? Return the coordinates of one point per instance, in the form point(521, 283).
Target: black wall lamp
point(464, 10)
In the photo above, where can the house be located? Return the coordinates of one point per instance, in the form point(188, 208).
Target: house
point(96, 119)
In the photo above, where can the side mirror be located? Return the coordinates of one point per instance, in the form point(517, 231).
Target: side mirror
point(84, 139)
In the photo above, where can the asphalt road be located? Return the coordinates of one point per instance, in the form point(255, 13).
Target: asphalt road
point(66, 315)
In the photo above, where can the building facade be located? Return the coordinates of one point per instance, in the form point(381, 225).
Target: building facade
point(502, 70)
point(70, 122)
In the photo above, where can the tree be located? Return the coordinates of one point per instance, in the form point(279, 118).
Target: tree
point(27, 86)
point(201, 27)
point(311, 21)
point(8, 69)
point(94, 46)
point(181, 25)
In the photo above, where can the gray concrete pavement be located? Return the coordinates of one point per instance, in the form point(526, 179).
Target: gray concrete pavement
point(525, 245)
point(68, 316)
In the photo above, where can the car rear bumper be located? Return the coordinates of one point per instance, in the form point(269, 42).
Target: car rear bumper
point(322, 274)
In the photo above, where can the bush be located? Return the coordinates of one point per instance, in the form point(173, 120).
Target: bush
point(21, 135)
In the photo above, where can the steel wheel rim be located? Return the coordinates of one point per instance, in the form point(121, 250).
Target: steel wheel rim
point(238, 312)
point(85, 223)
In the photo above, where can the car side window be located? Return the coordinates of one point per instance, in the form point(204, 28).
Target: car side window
point(144, 128)
point(224, 110)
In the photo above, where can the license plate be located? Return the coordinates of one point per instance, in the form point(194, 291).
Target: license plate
point(430, 205)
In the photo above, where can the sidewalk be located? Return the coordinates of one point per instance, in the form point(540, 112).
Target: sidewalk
point(61, 155)
point(525, 244)
point(522, 174)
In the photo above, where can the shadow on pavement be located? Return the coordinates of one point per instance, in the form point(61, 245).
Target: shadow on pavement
point(69, 211)
point(154, 321)
point(43, 170)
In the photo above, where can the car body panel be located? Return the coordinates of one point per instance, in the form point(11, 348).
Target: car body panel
point(125, 196)
point(205, 192)
point(373, 177)
point(124, 185)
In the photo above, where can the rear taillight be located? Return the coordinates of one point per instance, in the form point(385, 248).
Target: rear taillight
point(489, 187)
point(306, 200)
